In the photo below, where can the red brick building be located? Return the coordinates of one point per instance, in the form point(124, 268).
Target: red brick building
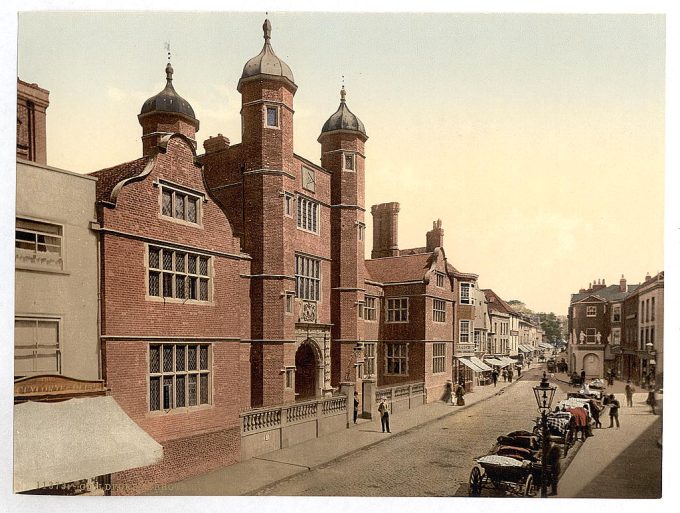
point(175, 310)
point(236, 279)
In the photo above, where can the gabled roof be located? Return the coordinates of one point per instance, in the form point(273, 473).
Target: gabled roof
point(108, 178)
point(497, 304)
point(610, 293)
point(589, 298)
point(461, 275)
point(399, 268)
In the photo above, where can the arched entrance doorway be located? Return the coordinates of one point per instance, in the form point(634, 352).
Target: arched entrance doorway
point(305, 372)
point(591, 364)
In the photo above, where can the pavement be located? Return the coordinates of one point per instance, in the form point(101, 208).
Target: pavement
point(619, 463)
point(601, 455)
point(247, 477)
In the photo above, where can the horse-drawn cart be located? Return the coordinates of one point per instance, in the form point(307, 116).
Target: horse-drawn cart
point(503, 473)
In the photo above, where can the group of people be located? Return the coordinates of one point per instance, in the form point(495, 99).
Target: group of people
point(507, 374)
point(450, 393)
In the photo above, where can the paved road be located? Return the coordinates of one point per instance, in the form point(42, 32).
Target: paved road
point(430, 460)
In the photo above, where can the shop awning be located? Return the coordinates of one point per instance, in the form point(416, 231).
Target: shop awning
point(496, 362)
point(469, 365)
point(66, 441)
point(508, 361)
point(545, 345)
point(525, 348)
point(479, 363)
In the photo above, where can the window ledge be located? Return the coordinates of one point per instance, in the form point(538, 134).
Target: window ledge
point(41, 269)
point(179, 411)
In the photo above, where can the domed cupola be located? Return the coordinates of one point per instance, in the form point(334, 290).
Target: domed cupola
point(166, 113)
point(344, 119)
point(168, 101)
point(266, 63)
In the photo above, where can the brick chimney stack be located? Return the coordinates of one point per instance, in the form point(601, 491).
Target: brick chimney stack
point(648, 276)
point(385, 228)
point(622, 284)
point(214, 144)
point(435, 237)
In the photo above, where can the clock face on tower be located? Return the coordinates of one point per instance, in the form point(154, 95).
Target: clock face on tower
point(308, 179)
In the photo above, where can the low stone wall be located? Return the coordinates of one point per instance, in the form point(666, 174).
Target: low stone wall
point(401, 397)
point(269, 429)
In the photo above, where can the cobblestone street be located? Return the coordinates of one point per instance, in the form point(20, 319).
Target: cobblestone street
point(432, 460)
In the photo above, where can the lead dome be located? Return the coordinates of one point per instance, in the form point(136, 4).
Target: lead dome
point(266, 62)
point(168, 101)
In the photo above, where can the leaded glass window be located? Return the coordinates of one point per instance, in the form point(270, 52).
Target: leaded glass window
point(180, 204)
point(175, 274)
point(178, 385)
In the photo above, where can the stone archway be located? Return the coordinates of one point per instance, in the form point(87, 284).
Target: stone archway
point(591, 364)
point(307, 362)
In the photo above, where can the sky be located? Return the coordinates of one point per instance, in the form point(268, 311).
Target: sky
point(538, 139)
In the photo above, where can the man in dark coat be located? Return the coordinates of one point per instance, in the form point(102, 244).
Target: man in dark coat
point(494, 377)
point(583, 376)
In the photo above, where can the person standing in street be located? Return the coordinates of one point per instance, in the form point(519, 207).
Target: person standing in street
point(629, 394)
point(613, 411)
point(460, 392)
point(494, 377)
point(505, 375)
point(448, 394)
point(356, 406)
point(583, 376)
point(510, 374)
point(384, 416)
point(651, 399)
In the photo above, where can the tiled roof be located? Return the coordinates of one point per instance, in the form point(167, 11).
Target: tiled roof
point(498, 304)
point(400, 268)
point(109, 177)
point(610, 293)
point(459, 274)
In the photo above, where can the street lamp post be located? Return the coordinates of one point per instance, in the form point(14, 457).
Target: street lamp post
point(544, 393)
point(652, 363)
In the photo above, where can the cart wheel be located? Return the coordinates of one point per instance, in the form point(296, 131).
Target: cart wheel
point(529, 486)
point(475, 482)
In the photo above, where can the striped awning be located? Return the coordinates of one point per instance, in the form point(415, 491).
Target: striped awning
point(495, 362)
point(470, 365)
point(479, 363)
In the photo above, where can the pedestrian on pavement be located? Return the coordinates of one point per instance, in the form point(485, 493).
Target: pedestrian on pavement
point(595, 411)
point(460, 392)
point(510, 374)
point(448, 394)
point(505, 375)
point(583, 376)
point(613, 411)
point(384, 416)
point(554, 456)
point(356, 406)
point(629, 394)
point(519, 371)
point(494, 377)
point(651, 399)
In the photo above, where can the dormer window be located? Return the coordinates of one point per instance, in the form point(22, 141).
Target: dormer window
point(272, 116)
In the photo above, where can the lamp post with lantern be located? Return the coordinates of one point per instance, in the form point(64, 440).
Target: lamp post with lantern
point(544, 393)
point(652, 364)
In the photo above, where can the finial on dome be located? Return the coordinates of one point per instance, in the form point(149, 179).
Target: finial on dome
point(168, 72)
point(343, 93)
point(267, 28)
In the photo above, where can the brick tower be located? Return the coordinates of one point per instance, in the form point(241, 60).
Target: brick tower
point(342, 153)
point(267, 89)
